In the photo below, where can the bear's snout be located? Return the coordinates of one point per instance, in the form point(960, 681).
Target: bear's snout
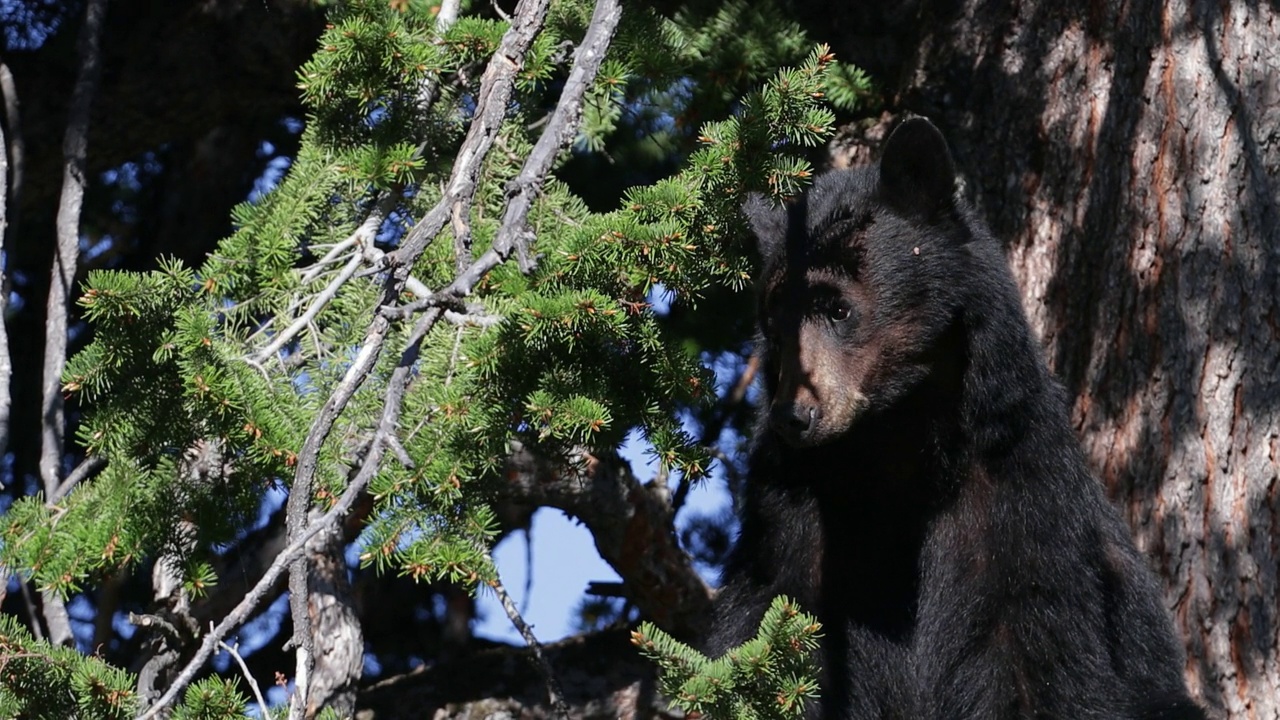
point(794, 421)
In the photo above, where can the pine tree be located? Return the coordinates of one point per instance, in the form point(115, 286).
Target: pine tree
point(376, 325)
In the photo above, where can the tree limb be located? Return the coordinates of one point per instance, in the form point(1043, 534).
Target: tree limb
point(9, 149)
point(16, 146)
point(605, 677)
point(632, 525)
point(75, 147)
point(65, 259)
point(87, 468)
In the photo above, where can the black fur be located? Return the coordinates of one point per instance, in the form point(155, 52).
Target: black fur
point(961, 558)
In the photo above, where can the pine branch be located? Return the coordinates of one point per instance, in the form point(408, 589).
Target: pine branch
point(491, 106)
point(771, 676)
point(725, 410)
point(495, 90)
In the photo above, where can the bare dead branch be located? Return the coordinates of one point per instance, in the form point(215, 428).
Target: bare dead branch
point(554, 694)
point(248, 676)
point(299, 503)
point(491, 108)
point(559, 132)
point(361, 236)
point(318, 303)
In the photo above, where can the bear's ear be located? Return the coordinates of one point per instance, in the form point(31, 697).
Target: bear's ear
point(917, 176)
point(768, 221)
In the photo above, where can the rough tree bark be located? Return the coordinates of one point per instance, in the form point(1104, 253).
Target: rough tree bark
point(339, 638)
point(1128, 152)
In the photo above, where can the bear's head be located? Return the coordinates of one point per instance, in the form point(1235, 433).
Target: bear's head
point(859, 284)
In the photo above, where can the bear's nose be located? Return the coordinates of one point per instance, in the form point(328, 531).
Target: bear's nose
point(793, 420)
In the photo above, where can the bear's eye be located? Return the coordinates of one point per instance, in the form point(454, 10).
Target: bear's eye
point(838, 311)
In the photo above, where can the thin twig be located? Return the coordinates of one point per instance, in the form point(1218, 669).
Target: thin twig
point(318, 267)
point(330, 291)
point(362, 236)
point(554, 694)
point(248, 676)
point(401, 454)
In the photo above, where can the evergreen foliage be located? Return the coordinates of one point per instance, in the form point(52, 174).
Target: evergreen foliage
point(201, 383)
point(39, 680)
point(767, 678)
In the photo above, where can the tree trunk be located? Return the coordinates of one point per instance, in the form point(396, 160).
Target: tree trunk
point(335, 627)
point(1128, 154)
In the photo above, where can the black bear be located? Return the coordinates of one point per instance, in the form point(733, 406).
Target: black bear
point(915, 481)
